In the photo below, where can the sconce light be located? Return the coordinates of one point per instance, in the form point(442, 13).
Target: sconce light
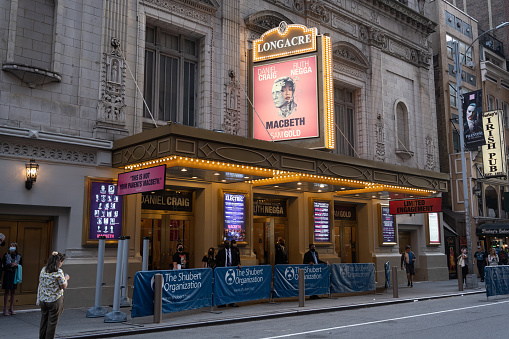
point(32, 168)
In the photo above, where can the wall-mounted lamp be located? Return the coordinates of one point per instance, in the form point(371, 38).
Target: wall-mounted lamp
point(32, 168)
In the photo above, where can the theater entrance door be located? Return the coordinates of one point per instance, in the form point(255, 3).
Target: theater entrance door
point(345, 234)
point(165, 232)
point(266, 234)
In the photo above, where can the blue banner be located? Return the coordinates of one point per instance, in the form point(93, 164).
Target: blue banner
point(182, 290)
point(286, 280)
point(346, 278)
point(387, 268)
point(233, 285)
point(497, 280)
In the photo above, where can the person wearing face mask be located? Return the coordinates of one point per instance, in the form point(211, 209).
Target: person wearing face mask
point(180, 258)
point(226, 257)
point(281, 257)
point(208, 259)
point(10, 263)
point(311, 258)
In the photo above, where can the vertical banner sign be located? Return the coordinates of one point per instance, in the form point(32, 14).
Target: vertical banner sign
point(232, 285)
point(144, 180)
point(321, 221)
point(494, 152)
point(286, 280)
point(105, 211)
point(472, 119)
point(433, 229)
point(234, 216)
point(386, 226)
point(348, 278)
point(286, 99)
point(182, 290)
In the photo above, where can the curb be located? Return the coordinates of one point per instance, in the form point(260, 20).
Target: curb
point(258, 317)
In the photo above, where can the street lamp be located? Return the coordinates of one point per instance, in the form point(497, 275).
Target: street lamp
point(457, 69)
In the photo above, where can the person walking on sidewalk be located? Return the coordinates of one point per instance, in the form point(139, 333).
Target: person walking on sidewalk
point(480, 259)
point(408, 259)
point(50, 294)
point(10, 263)
point(462, 263)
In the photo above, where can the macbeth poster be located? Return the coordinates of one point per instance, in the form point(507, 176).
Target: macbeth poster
point(472, 119)
point(285, 99)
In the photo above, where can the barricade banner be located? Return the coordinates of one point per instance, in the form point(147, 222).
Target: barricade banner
point(182, 290)
point(233, 285)
point(346, 278)
point(496, 280)
point(286, 280)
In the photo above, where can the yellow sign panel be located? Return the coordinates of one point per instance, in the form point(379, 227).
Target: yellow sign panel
point(283, 41)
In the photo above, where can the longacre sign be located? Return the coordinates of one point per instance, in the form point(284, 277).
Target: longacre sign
point(284, 40)
point(414, 206)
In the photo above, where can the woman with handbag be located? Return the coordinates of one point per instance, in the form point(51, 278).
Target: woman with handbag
point(10, 263)
point(50, 294)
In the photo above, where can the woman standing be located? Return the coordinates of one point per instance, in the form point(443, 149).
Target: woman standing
point(492, 258)
point(50, 294)
point(462, 262)
point(10, 263)
point(208, 259)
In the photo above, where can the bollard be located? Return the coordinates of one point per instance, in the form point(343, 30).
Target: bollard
point(394, 282)
point(116, 316)
point(124, 299)
point(158, 298)
point(99, 311)
point(144, 263)
point(302, 287)
point(460, 278)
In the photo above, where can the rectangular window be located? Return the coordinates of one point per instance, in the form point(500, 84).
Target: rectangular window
point(170, 76)
point(344, 112)
point(452, 94)
point(465, 56)
point(491, 103)
point(505, 109)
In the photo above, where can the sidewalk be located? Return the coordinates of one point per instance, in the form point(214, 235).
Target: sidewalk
point(74, 324)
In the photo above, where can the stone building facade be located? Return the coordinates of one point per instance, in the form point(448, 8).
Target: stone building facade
point(87, 86)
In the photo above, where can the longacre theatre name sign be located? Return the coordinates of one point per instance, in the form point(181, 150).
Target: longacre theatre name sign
point(414, 206)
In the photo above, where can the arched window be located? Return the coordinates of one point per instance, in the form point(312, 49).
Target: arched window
point(491, 199)
point(402, 126)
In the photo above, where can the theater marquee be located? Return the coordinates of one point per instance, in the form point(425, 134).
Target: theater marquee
point(291, 87)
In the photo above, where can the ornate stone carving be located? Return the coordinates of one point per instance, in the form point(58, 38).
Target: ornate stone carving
point(363, 33)
point(430, 154)
point(349, 70)
point(231, 123)
point(113, 86)
point(40, 151)
point(172, 7)
point(343, 24)
point(378, 38)
point(263, 21)
point(380, 140)
point(347, 53)
point(318, 10)
point(424, 58)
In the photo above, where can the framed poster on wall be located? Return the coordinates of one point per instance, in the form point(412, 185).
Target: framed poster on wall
point(103, 211)
point(234, 205)
point(387, 232)
point(433, 229)
point(321, 218)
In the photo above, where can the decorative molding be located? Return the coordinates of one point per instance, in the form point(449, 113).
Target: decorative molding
point(317, 9)
point(263, 21)
point(347, 53)
point(231, 123)
point(37, 150)
point(31, 75)
point(380, 141)
point(342, 24)
point(197, 12)
point(430, 154)
point(349, 70)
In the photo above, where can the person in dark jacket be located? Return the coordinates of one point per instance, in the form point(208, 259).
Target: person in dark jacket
point(10, 263)
point(281, 253)
point(311, 256)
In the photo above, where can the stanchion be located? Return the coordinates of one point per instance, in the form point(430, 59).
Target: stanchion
point(98, 310)
point(124, 299)
point(460, 278)
point(394, 278)
point(158, 298)
point(116, 316)
point(144, 263)
point(302, 287)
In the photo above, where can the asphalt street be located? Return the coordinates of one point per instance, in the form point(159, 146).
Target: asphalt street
point(469, 316)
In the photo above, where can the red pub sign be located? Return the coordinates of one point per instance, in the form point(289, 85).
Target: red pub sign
point(429, 205)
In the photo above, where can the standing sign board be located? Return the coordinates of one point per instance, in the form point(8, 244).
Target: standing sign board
point(291, 87)
point(433, 229)
point(494, 152)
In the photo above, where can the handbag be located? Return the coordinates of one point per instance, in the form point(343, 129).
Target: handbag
point(18, 275)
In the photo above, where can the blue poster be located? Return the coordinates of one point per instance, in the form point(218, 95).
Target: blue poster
point(182, 290)
point(497, 280)
point(233, 285)
point(286, 280)
point(387, 269)
point(347, 278)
